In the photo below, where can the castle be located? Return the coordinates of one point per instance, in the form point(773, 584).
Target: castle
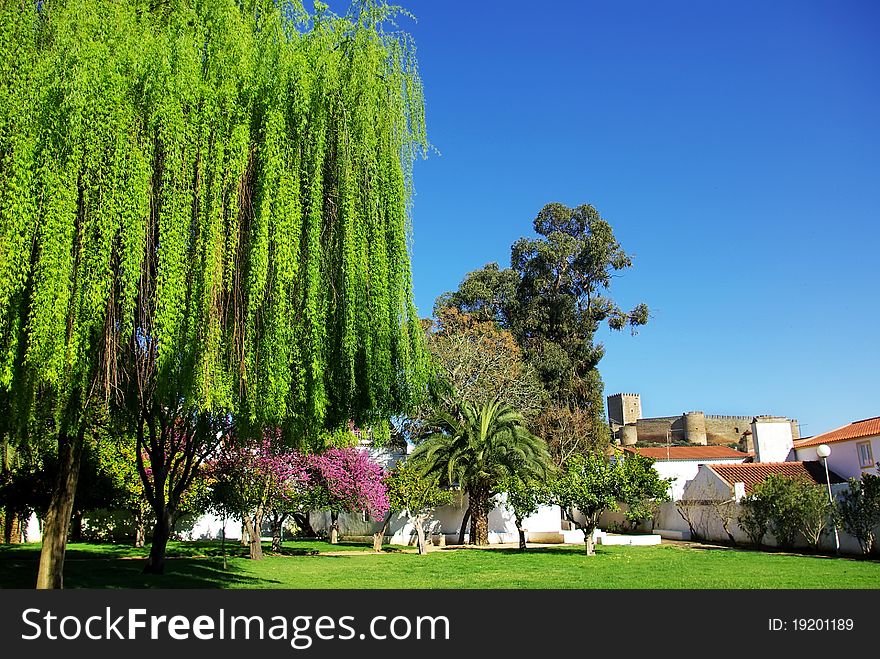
point(628, 426)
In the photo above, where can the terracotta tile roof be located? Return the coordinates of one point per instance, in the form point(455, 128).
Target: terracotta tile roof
point(854, 430)
point(752, 473)
point(688, 452)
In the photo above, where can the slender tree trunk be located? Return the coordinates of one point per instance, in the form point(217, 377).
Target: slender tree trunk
point(419, 523)
point(140, 530)
point(76, 526)
point(51, 570)
point(334, 527)
point(588, 541)
point(522, 537)
point(253, 527)
point(223, 541)
point(161, 535)
point(278, 532)
point(245, 537)
point(379, 536)
point(464, 525)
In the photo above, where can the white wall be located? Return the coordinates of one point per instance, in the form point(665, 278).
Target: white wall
point(844, 458)
point(685, 470)
point(707, 518)
point(446, 520)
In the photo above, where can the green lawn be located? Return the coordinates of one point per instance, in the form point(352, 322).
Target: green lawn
point(197, 565)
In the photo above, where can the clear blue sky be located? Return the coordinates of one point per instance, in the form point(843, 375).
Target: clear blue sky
point(733, 146)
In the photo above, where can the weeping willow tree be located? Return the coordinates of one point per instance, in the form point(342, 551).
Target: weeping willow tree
point(204, 222)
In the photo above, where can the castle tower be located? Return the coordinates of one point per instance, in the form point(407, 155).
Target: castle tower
point(624, 409)
point(695, 428)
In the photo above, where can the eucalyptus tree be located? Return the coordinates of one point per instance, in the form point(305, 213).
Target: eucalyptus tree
point(478, 449)
point(204, 211)
point(554, 298)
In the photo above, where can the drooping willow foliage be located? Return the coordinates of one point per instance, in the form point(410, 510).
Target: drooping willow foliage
point(206, 203)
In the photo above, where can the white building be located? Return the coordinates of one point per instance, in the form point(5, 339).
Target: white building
point(681, 463)
point(855, 448)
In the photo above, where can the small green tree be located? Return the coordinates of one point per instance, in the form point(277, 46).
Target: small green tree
point(524, 498)
point(642, 490)
point(859, 509)
point(783, 500)
point(817, 513)
point(788, 508)
point(416, 495)
point(754, 517)
point(593, 484)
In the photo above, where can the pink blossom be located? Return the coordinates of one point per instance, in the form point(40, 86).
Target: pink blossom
point(352, 480)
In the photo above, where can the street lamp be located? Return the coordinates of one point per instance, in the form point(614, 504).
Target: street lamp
point(823, 451)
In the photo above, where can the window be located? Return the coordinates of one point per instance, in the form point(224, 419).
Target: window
point(866, 458)
point(366, 516)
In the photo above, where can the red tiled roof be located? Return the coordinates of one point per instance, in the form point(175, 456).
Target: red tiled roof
point(854, 430)
point(752, 473)
point(687, 452)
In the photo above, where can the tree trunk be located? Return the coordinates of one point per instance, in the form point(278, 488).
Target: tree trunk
point(223, 542)
point(278, 532)
point(161, 535)
point(11, 528)
point(522, 537)
point(76, 526)
point(379, 536)
point(252, 526)
point(304, 524)
point(245, 538)
point(51, 570)
point(588, 541)
point(479, 498)
point(464, 525)
point(334, 528)
point(140, 531)
point(419, 523)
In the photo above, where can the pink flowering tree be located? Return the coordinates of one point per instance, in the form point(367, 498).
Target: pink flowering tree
point(253, 478)
point(347, 480)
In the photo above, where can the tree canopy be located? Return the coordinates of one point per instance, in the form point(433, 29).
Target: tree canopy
point(204, 216)
point(554, 298)
point(210, 199)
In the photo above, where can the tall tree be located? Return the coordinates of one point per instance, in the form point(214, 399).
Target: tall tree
point(478, 449)
point(554, 298)
point(204, 210)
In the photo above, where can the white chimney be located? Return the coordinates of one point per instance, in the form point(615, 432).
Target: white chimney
point(772, 438)
point(739, 491)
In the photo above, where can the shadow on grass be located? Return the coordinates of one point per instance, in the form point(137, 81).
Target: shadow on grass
point(777, 551)
point(109, 573)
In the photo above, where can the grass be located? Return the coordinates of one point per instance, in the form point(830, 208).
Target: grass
point(198, 565)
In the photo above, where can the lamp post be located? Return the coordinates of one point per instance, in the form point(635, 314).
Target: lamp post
point(823, 451)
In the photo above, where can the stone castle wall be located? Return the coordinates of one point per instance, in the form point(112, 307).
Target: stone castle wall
point(694, 427)
point(656, 429)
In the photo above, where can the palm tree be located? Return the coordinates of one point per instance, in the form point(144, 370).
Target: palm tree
point(478, 449)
